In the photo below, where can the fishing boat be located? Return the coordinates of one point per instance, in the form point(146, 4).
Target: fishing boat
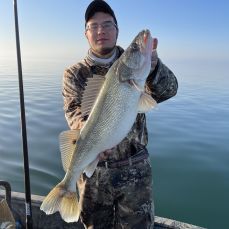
point(16, 202)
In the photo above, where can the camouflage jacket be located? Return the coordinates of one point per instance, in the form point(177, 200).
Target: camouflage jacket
point(161, 84)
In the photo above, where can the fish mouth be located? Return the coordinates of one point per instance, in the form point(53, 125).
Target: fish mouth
point(146, 41)
point(146, 37)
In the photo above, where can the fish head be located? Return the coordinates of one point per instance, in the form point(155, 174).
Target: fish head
point(135, 62)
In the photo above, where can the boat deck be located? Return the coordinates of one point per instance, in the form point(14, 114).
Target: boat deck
point(41, 220)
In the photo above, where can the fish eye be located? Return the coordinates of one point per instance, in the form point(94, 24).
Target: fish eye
point(135, 46)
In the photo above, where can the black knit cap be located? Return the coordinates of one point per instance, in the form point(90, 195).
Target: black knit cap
point(98, 6)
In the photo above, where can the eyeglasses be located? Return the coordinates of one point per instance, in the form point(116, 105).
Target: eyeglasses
point(107, 25)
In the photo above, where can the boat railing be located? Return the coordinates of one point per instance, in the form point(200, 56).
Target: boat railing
point(7, 188)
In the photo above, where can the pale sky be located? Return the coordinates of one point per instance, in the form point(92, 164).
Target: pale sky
point(186, 29)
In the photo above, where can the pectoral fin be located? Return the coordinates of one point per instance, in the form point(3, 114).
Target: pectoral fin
point(146, 103)
point(90, 169)
point(68, 141)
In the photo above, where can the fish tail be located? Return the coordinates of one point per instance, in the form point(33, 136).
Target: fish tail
point(63, 200)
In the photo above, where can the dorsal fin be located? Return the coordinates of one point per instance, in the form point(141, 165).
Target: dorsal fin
point(68, 141)
point(91, 92)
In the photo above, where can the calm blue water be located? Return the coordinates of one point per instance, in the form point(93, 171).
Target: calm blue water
point(188, 137)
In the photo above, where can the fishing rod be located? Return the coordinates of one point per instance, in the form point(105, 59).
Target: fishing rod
point(28, 207)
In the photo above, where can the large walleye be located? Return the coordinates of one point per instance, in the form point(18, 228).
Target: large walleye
point(114, 111)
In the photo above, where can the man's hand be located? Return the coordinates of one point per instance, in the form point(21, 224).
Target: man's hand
point(154, 54)
point(105, 154)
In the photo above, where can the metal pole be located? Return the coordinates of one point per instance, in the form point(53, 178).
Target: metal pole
point(28, 207)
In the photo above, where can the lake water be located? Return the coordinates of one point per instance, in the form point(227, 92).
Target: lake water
point(188, 137)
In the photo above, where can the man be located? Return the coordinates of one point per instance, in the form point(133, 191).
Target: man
point(119, 194)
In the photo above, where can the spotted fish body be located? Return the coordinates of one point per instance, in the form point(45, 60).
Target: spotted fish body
point(120, 98)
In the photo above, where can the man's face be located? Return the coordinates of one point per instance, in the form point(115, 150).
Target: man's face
point(101, 33)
